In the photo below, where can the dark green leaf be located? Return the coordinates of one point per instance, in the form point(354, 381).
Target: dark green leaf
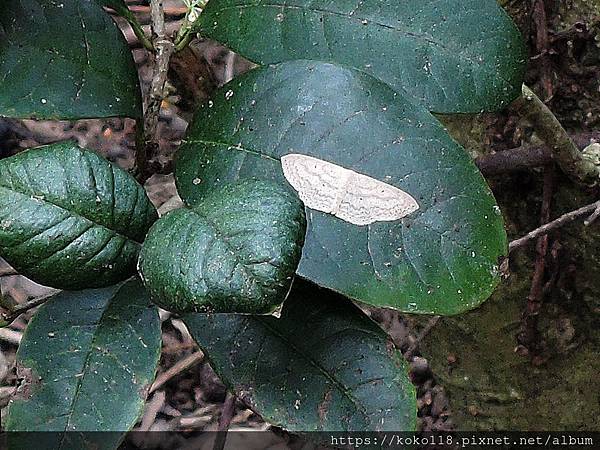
point(87, 359)
point(442, 259)
point(452, 55)
point(236, 251)
point(64, 60)
point(70, 219)
point(323, 365)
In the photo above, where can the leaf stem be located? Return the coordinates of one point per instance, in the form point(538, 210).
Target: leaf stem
point(578, 165)
point(186, 32)
point(126, 13)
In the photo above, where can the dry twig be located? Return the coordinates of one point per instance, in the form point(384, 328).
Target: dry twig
point(408, 355)
point(560, 222)
point(176, 369)
point(225, 421)
point(19, 309)
point(529, 336)
point(147, 144)
point(10, 336)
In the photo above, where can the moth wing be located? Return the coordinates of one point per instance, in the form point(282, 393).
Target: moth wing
point(368, 200)
point(317, 182)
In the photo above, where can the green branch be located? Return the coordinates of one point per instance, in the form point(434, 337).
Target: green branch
point(582, 166)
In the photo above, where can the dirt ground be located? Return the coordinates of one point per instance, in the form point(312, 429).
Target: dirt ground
point(188, 396)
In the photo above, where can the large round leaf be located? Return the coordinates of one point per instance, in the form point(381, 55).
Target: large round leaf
point(236, 252)
point(452, 55)
point(69, 218)
point(441, 259)
point(64, 60)
point(323, 366)
point(87, 360)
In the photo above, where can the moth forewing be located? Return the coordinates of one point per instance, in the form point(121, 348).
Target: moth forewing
point(351, 196)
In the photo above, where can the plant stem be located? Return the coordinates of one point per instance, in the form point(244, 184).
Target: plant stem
point(126, 13)
point(576, 164)
point(530, 335)
point(139, 32)
point(527, 156)
point(164, 48)
point(408, 355)
point(19, 309)
point(186, 32)
point(225, 421)
point(593, 209)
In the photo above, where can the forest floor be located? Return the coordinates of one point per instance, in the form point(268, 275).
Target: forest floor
point(187, 395)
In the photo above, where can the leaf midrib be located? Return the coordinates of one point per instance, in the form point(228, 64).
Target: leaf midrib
point(411, 34)
point(341, 387)
point(73, 213)
point(221, 236)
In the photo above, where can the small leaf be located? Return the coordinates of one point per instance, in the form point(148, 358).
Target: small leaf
point(87, 359)
point(64, 60)
point(323, 366)
point(236, 251)
point(451, 55)
point(441, 259)
point(70, 219)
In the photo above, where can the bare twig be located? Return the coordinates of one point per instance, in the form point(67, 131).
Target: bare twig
point(573, 162)
point(408, 355)
point(224, 421)
point(151, 410)
point(176, 369)
point(527, 156)
point(10, 336)
point(164, 48)
point(560, 222)
point(541, 44)
point(19, 309)
point(529, 336)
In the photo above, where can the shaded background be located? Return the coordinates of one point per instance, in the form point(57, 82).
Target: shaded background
point(487, 369)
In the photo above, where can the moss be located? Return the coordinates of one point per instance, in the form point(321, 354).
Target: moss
point(490, 386)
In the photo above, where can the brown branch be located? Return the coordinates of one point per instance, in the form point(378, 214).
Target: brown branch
point(225, 421)
point(19, 309)
point(408, 355)
point(593, 209)
point(575, 163)
point(147, 144)
point(541, 44)
point(529, 336)
point(527, 156)
point(176, 369)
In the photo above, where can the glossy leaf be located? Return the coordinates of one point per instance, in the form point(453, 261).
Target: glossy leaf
point(323, 366)
point(442, 259)
point(451, 55)
point(69, 218)
point(237, 251)
point(64, 60)
point(87, 359)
